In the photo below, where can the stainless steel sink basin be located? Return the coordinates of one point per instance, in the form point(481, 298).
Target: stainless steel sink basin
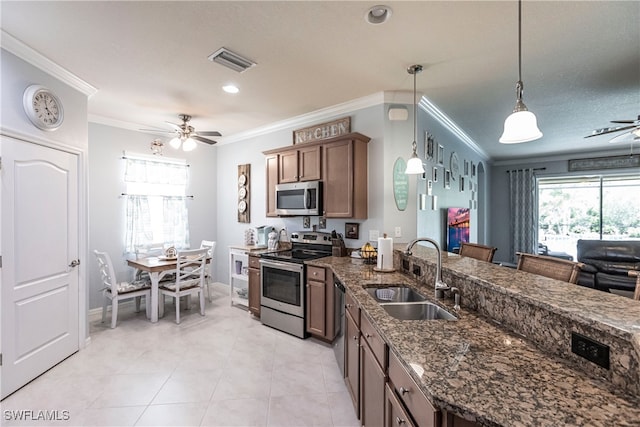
point(387, 294)
point(417, 311)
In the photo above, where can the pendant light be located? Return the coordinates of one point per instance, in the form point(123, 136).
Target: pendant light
point(414, 165)
point(521, 125)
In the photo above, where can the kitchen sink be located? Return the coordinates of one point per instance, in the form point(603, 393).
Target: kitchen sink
point(423, 310)
point(404, 303)
point(389, 294)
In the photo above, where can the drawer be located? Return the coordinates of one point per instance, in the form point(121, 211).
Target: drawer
point(352, 308)
point(377, 345)
point(254, 262)
point(315, 273)
point(424, 414)
point(395, 415)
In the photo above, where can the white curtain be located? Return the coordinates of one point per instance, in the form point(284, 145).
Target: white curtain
point(524, 212)
point(152, 216)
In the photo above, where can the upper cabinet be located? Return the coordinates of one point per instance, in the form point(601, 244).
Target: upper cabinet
point(340, 163)
point(301, 164)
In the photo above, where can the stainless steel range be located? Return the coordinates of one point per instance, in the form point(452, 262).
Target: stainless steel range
point(282, 281)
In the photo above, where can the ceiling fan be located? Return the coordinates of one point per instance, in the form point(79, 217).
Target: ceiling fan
point(631, 126)
point(186, 135)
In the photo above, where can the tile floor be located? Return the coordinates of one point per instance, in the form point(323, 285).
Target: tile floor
point(224, 369)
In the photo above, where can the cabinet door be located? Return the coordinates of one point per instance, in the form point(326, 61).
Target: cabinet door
point(316, 308)
point(254, 291)
point(309, 163)
point(338, 179)
point(372, 382)
point(272, 180)
point(395, 415)
point(352, 361)
point(288, 164)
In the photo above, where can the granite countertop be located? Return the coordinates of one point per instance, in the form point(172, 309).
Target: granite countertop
point(479, 370)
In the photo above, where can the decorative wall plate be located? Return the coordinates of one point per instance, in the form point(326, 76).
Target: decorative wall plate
point(454, 165)
point(242, 192)
point(242, 206)
point(242, 179)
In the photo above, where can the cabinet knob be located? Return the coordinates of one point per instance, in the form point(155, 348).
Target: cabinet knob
point(355, 338)
point(315, 273)
point(348, 306)
point(403, 390)
point(368, 335)
point(399, 421)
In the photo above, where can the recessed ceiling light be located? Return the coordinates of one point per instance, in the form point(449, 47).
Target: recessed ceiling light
point(230, 88)
point(378, 14)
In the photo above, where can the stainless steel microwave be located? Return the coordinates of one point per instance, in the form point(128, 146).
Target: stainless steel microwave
point(299, 198)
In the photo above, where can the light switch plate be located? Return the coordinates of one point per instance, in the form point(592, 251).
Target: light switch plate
point(398, 232)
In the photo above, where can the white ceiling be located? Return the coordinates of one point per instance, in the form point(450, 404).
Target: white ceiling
point(148, 60)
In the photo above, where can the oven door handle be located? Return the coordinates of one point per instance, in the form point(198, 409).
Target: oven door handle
point(282, 265)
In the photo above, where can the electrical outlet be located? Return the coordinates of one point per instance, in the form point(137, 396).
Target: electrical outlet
point(405, 265)
point(417, 270)
point(590, 349)
point(398, 232)
point(373, 235)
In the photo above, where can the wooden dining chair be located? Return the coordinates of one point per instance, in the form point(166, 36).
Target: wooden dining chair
point(115, 291)
point(554, 268)
point(636, 273)
point(474, 250)
point(189, 280)
point(208, 277)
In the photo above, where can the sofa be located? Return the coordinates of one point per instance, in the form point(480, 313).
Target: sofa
point(607, 264)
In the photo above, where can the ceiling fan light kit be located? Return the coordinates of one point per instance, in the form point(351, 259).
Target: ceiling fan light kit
point(521, 125)
point(414, 164)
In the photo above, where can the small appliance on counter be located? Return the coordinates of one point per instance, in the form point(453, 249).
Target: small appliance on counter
point(262, 235)
point(272, 244)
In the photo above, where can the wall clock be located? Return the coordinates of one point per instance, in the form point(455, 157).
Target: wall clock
point(43, 107)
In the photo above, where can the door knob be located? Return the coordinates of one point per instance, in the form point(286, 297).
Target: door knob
point(74, 263)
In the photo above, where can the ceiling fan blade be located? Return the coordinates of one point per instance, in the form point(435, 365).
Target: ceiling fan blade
point(631, 136)
point(605, 131)
point(175, 126)
point(205, 140)
point(157, 131)
point(626, 121)
point(209, 133)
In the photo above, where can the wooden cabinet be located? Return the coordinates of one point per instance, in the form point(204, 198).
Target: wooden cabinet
point(254, 285)
point(341, 163)
point(373, 356)
point(320, 303)
point(345, 179)
point(271, 180)
point(407, 391)
point(450, 420)
point(352, 356)
point(395, 414)
point(301, 164)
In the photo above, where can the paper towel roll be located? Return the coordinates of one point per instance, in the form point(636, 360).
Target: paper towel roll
point(385, 253)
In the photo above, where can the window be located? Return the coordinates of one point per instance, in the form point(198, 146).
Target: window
point(595, 207)
point(156, 202)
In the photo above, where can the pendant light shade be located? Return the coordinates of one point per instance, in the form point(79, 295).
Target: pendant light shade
point(414, 165)
point(521, 125)
point(175, 142)
point(189, 144)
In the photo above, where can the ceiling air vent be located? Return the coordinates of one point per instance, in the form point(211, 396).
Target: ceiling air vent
point(224, 56)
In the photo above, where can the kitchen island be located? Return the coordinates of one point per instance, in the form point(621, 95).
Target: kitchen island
point(483, 368)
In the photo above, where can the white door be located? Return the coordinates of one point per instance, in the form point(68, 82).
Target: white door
point(39, 242)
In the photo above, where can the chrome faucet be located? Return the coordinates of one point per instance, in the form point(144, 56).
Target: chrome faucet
point(440, 286)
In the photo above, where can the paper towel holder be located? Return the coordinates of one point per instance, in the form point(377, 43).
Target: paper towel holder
point(381, 260)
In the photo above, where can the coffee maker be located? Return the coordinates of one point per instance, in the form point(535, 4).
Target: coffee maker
point(262, 235)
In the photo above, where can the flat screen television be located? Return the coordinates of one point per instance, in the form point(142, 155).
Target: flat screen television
point(458, 220)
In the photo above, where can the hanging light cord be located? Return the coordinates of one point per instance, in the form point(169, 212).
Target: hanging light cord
point(519, 84)
point(415, 112)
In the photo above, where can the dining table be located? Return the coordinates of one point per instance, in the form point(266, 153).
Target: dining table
point(157, 267)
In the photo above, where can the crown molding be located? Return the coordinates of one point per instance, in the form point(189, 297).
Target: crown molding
point(561, 157)
point(26, 53)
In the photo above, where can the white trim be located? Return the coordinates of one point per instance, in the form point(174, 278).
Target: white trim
point(28, 54)
point(560, 157)
point(152, 158)
point(434, 111)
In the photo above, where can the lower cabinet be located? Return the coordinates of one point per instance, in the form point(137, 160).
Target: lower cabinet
point(320, 303)
point(373, 355)
point(352, 356)
point(254, 285)
point(395, 415)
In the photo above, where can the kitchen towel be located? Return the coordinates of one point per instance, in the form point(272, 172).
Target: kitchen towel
point(385, 253)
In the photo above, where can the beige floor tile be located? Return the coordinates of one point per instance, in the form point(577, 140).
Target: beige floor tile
point(237, 412)
point(125, 416)
point(299, 410)
point(342, 411)
point(182, 414)
point(188, 387)
point(129, 390)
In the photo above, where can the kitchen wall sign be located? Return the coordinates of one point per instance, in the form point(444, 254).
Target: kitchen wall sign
point(244, 194)
point(400, 184)
point(323, 131)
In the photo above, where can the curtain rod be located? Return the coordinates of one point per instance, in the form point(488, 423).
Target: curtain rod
point(157, 195)
point(164, 162)
point(515, 170)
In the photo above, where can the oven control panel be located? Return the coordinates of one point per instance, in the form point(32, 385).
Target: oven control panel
point(311, 237)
